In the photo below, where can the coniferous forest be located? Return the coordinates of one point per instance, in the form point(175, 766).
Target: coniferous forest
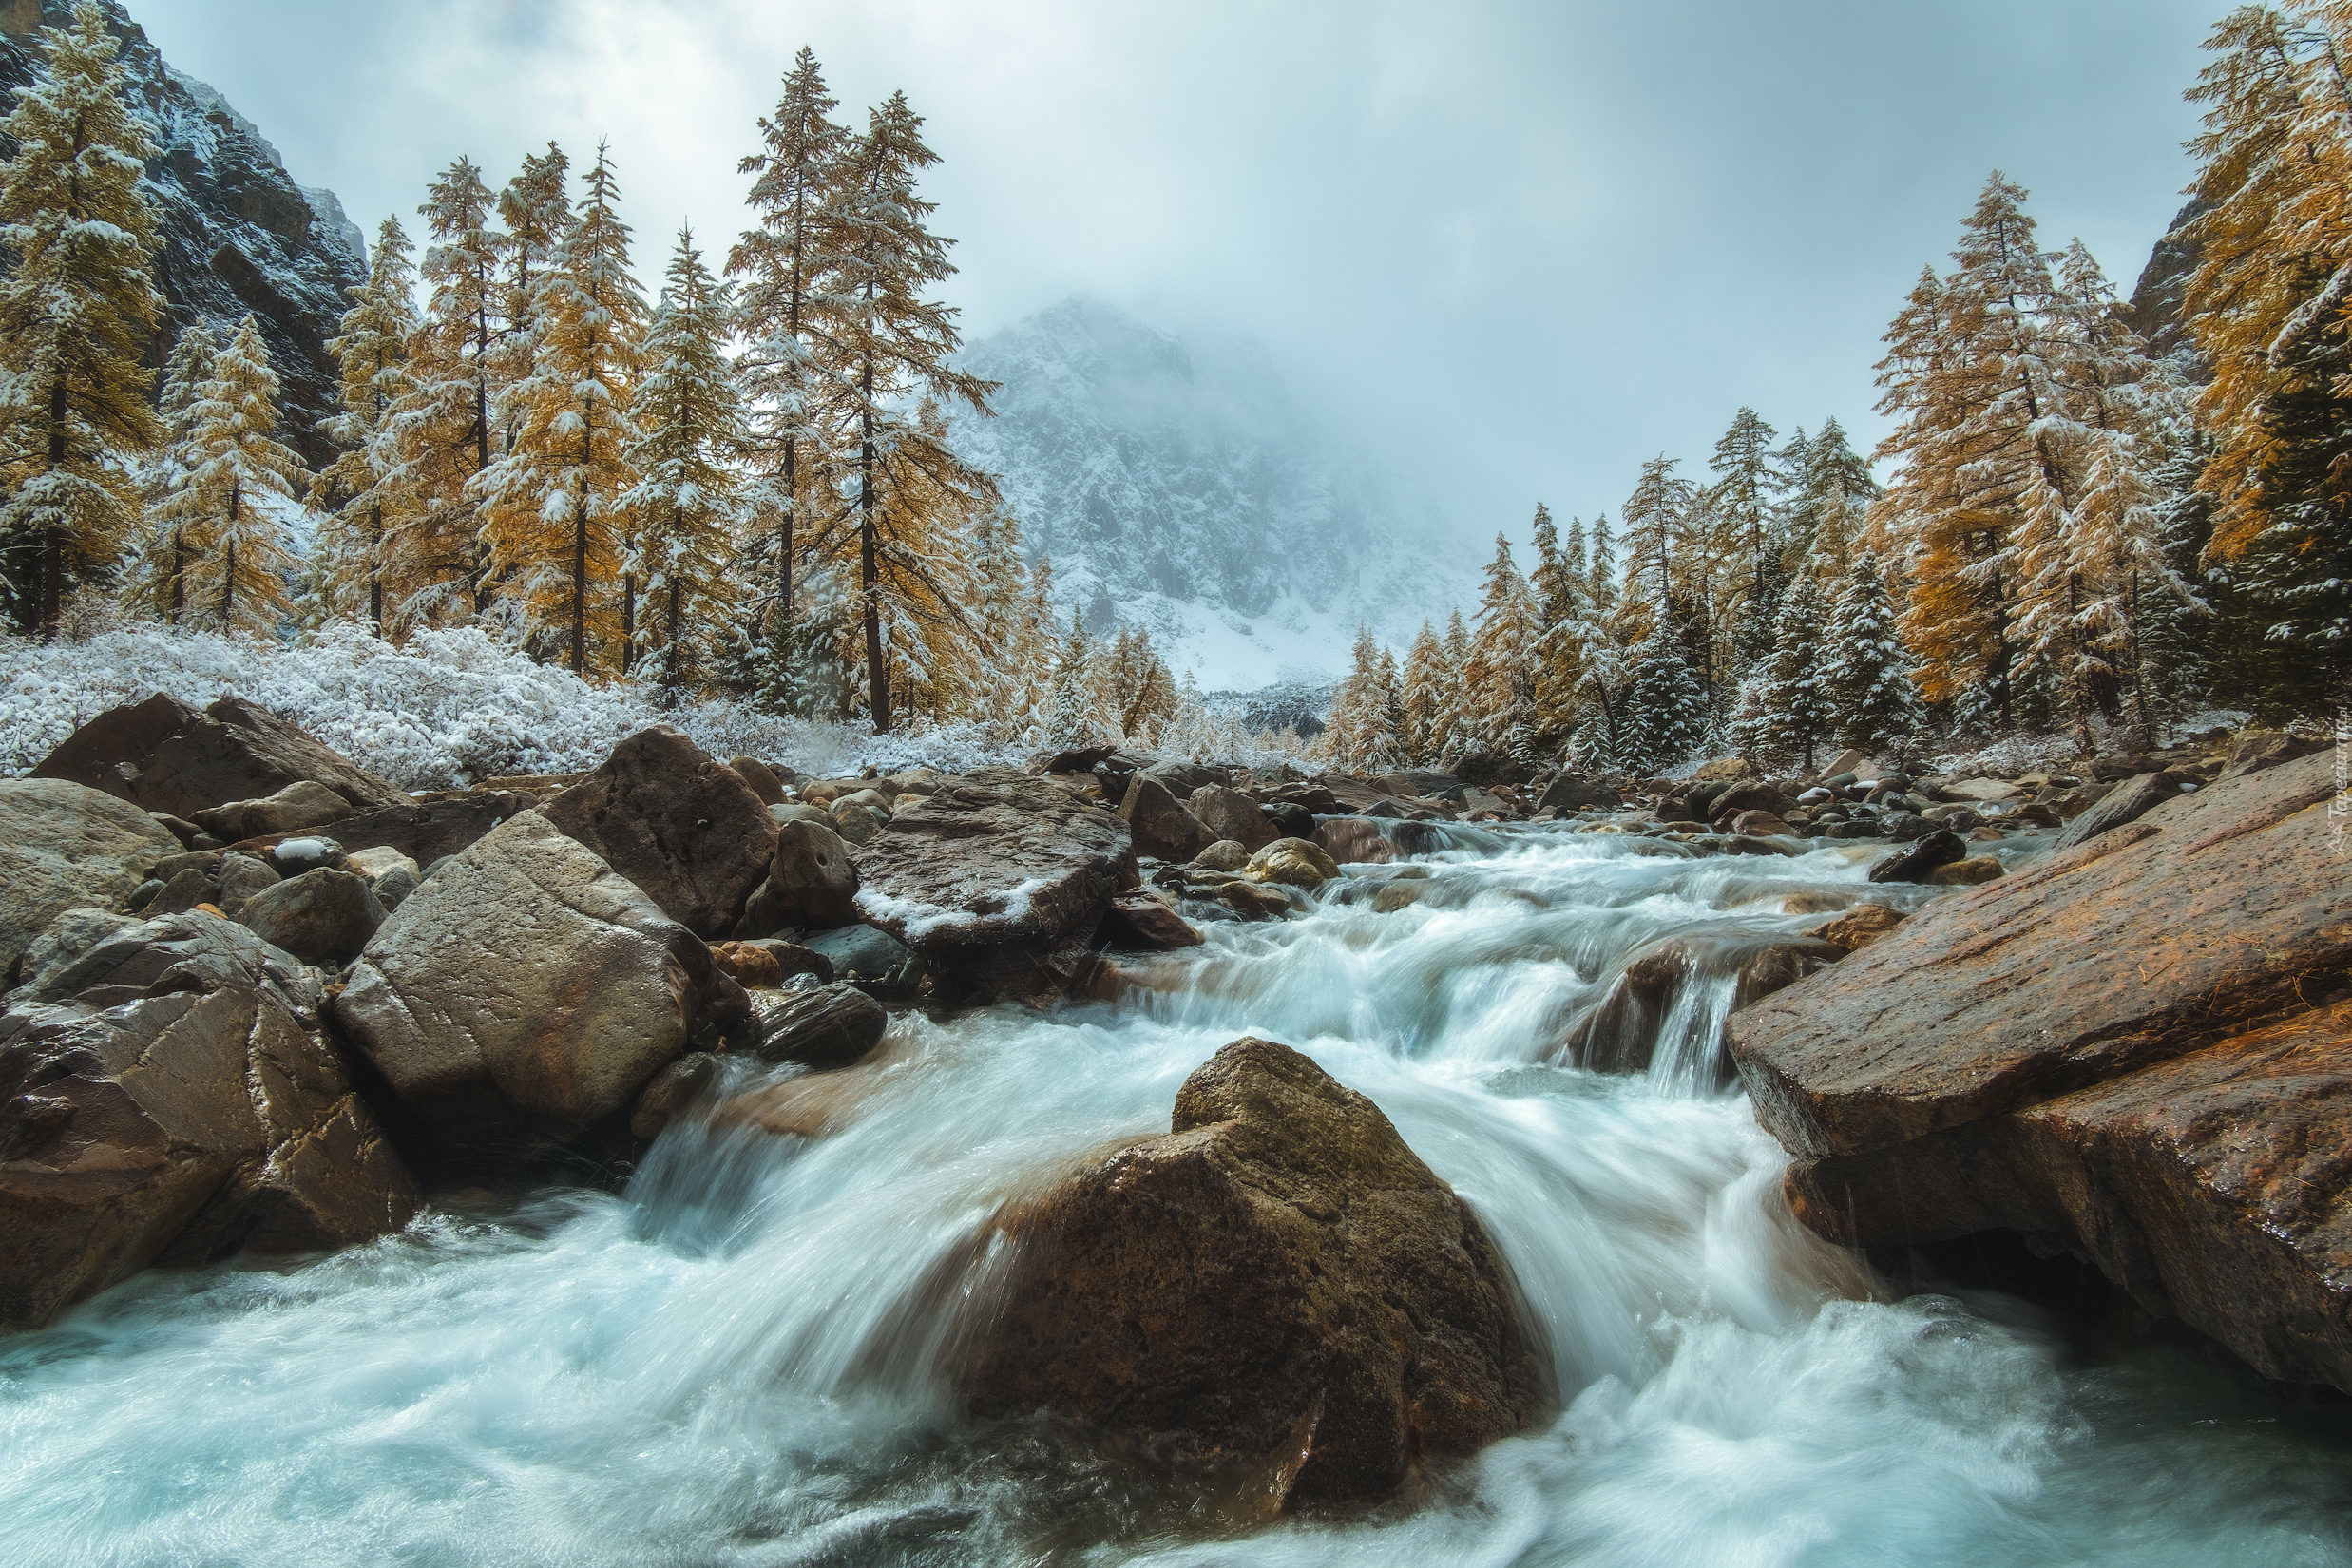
point(735, 480)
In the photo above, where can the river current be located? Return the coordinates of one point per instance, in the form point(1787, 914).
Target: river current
point(736, 1360)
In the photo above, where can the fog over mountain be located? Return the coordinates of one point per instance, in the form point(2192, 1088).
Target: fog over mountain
point(1185, 489)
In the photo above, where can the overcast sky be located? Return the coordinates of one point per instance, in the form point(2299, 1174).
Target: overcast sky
point(1517, 248)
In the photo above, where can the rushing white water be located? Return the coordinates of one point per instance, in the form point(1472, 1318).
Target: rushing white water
point(735, 1362)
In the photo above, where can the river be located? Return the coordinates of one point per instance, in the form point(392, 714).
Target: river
point(736, 1360)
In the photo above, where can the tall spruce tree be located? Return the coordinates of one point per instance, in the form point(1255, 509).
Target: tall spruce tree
point(77, 309)
point(159, 584)
point(1867, 679)
point(686, 506)
point(1741, 497)
point(1665, 712)
point(238, 479)
point(1798, 713)
point(1423, 700)
point(372, 353)
point(1498, 684)
point(788, 268)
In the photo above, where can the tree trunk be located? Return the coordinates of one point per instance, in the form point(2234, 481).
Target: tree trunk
point(669, 645)
point(179, 574)
point(376, 569)
point(877, 672)
point(228, 567)
point(628, 620)
point(53, 536)
point(580, 580)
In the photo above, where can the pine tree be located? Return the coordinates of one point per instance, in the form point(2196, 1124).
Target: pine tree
point(686, 504)
point(2176, 633)
point(1798, 712)
point(1832, 505)
point(1602, 586)
point(789, 268)
point(160, 577)
point(1741, 497)
point(535, 212)
point(77, 310)
point(1665, 715)
point(437, 436)
point(551, 508)
point(371, 353)
point(236, 476)
point(1071, 721)
point(1866, 681)
point(1425, 699)
point(1003, 696)
point(892, 346)
point(1498, 680)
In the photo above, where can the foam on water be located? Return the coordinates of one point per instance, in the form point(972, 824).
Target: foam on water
point(738, 1361)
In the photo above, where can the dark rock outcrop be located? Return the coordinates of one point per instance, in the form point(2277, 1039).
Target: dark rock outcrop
point(1922, 856)
point(1277, 1292)
point(1228, 813)
point(177, 1126)
point(238, 235)
point(298, 807)
point(1622, 1031)
point(321, 917)
point(811, 883)
point(1142, 923)
point(65, 846)
point(2135, 1051)
point(163, 755)
point(826, 1026)
point(999, 880)
point(2127, 802)
point(676, 822)
point(1163, 827)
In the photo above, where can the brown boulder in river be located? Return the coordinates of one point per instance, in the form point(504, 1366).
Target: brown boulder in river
point(2137, 1051)
point(679, 823)
point(1278, 1293)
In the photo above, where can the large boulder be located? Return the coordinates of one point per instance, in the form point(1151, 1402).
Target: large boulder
point(1278, 1293)
point(163, 755)
point(811, 883)
point(527, 991)
point(1161, 825)
point(1354, 841)
point(679, 824)
point(187, 951)
point(2127, 802)
point(65, 846)
point(426, 829)
point(1228, 813)
point(1572, 793)
point(1627, 1023)
point(997, 880)
point(2135, 1051)
point(177, 1126)
point(298, 807)
point(824, 1027)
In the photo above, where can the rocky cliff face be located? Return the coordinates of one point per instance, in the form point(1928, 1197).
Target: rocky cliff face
point(2154, 310)
point(239, 234)
point(1193, 497)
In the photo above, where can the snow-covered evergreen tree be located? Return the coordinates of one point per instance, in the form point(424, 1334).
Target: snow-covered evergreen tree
point(686, 506)
point(1071, 721)
point(1665, 712)
point(1498, 680)
point(78, 307)
point(1798, 712)
point(158, 578)
point(1867, 678)
point(238, 481)
point(371, 351)
point(1423, 700)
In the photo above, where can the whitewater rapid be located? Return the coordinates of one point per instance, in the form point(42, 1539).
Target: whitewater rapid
point(737, 1360)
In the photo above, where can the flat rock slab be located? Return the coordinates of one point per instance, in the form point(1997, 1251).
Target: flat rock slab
point(999, 879)
point(1277, 1292)
point(2137, 1051)
point(163, 755)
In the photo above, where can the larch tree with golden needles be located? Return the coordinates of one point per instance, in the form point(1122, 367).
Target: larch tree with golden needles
point(787, 273)
point(551, 506)
point(77, 309)
point(239, 482)
point(357, 490)
point(535, 216)
point(688, 505)
point(914, 498)
point(437, 436)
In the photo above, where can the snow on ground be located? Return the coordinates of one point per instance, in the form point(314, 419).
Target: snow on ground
point(443, 710)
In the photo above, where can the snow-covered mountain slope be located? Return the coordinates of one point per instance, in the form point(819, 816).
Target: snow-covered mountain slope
point(1192, 497)
point(239, 234)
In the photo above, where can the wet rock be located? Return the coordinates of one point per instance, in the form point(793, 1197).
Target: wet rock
point(856, 823)
point(675, 1090)
point(1573, 793)
point(868, 958)
point(163, 755)
point(1760, 825)
point(1294, 863)
point(70, 935)
point(1277, 1292)
point(1857, 928)
point(183, 1124)
point(1142, 923)
point(1399, 895)
point(1251, 900)
point(789, 959)
point(1752, 796)
point(65, 846)
point(812, 882)
point(1968, 872)
point(2127, 802)
point(1226, 854)
point(2252, 751)
point(759, 778)
point(526, 990)
point(999, 880)
point(1980, 789)
point(1622, 1031)
point(2132, 1051)
point(1161, 825)
point(827, 1026)
point(1228, 813)
point(321, 917)
point(752, 965)
point(297, 807)
point(1922, 855)
point(680, 825)
point(1289, 818)
point(1353, 841)
point(1182, 779)
point(424, 830)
